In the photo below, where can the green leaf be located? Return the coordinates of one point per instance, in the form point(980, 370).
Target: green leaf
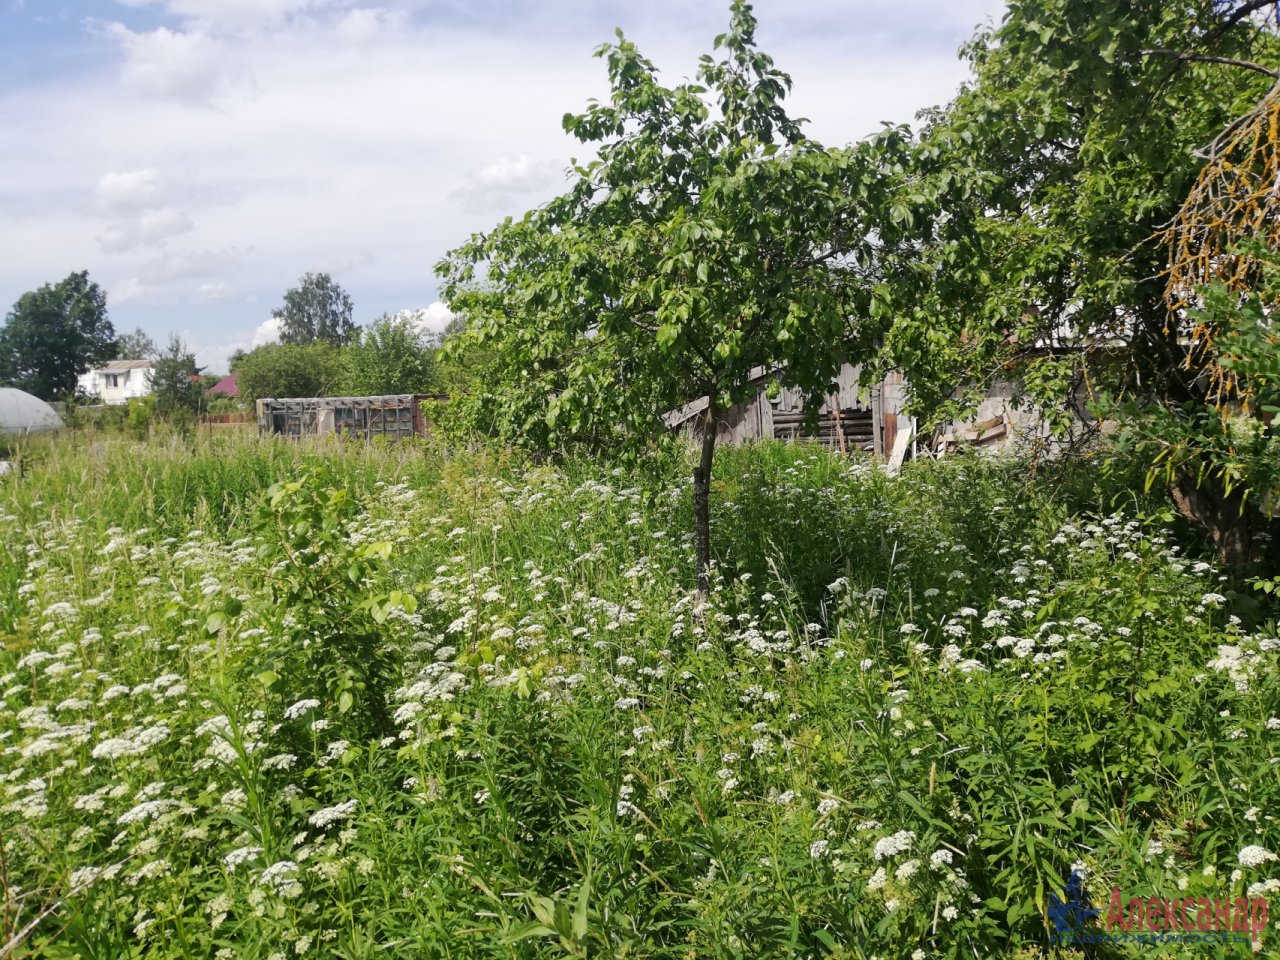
point(580, 910)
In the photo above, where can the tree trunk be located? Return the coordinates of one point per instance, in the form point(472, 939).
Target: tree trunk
point(1222, 517)
point(702, 499)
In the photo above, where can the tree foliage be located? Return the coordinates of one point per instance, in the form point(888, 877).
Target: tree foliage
point(54, 334)
point(389, 356)
point(1036, 196)
point(288, 370)
point(136, 346)
point(316, 309)
point(709, 241)
point(175, 382)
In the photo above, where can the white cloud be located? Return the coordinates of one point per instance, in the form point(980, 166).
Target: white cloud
point(189, 65)
point(268, 331)
point(151, 228)
point(129, 290)
point(504, 182)
point(514, 173)
point(213, 291)
point(179, 277)
point(428, 320)
point(128, 191)
point(364, 25)
point(136, 203)
point(232, 12)
point(437, 316)
point(177, 266)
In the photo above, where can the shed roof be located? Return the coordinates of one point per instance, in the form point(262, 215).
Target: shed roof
point(119, 366)
point(400, 399)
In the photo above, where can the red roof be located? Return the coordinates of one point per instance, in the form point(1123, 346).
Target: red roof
point(228, 386)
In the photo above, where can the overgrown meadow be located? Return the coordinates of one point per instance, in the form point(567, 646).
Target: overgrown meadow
point(263, 701)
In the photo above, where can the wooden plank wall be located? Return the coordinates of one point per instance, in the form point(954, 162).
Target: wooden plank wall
point(394, 416)
point(846, 420)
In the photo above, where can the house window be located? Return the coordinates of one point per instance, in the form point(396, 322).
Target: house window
point(113, 380)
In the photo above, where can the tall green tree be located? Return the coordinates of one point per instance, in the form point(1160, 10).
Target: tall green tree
point(54, 334)
point(288, 370)
point(389, 356)
point(709, 241)
point(316, 309)
point(1034, 200)
point(136, 346)
point(175, 381)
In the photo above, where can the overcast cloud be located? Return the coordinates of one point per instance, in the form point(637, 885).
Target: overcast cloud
point(198, 156)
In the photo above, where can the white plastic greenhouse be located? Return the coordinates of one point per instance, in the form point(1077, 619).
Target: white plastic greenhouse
point(21, 413)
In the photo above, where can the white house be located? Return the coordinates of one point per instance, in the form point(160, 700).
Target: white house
point(118, 381)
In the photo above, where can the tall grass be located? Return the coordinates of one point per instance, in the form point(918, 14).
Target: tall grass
point(270, 700)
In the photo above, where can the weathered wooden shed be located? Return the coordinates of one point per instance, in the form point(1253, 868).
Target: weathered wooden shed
point(871, 419)
point(850, 419)
point(395, 416)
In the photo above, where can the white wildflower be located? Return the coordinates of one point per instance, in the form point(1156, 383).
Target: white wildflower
point(894, 844)
point(1254, 856)
point(300, 708)
point(342, 811)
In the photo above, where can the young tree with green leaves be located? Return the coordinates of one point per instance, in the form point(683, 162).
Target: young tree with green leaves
point(175, 382)
point(389, 356)
point(709, 241)
point(316, 309)
point(288, 370)
point(54, 334)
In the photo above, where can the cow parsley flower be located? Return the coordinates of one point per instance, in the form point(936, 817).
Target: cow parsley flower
point(302, 707)
point(894, 844)
point(281, 877)
point(342, 811)
point(241, 855)
point(1254, 856)
point(147, 810)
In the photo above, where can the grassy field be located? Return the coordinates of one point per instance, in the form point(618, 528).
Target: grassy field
point(269, 701)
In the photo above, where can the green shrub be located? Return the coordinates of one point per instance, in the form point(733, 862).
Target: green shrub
point(141, 413)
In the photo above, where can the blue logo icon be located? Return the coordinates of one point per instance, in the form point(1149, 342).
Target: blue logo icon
point(1072, 912)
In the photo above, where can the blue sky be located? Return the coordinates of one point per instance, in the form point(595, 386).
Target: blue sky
point(198, 156)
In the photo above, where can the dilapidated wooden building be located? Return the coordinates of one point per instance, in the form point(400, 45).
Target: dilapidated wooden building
point(865, 418)
point(395, 416)
point(851, 418)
